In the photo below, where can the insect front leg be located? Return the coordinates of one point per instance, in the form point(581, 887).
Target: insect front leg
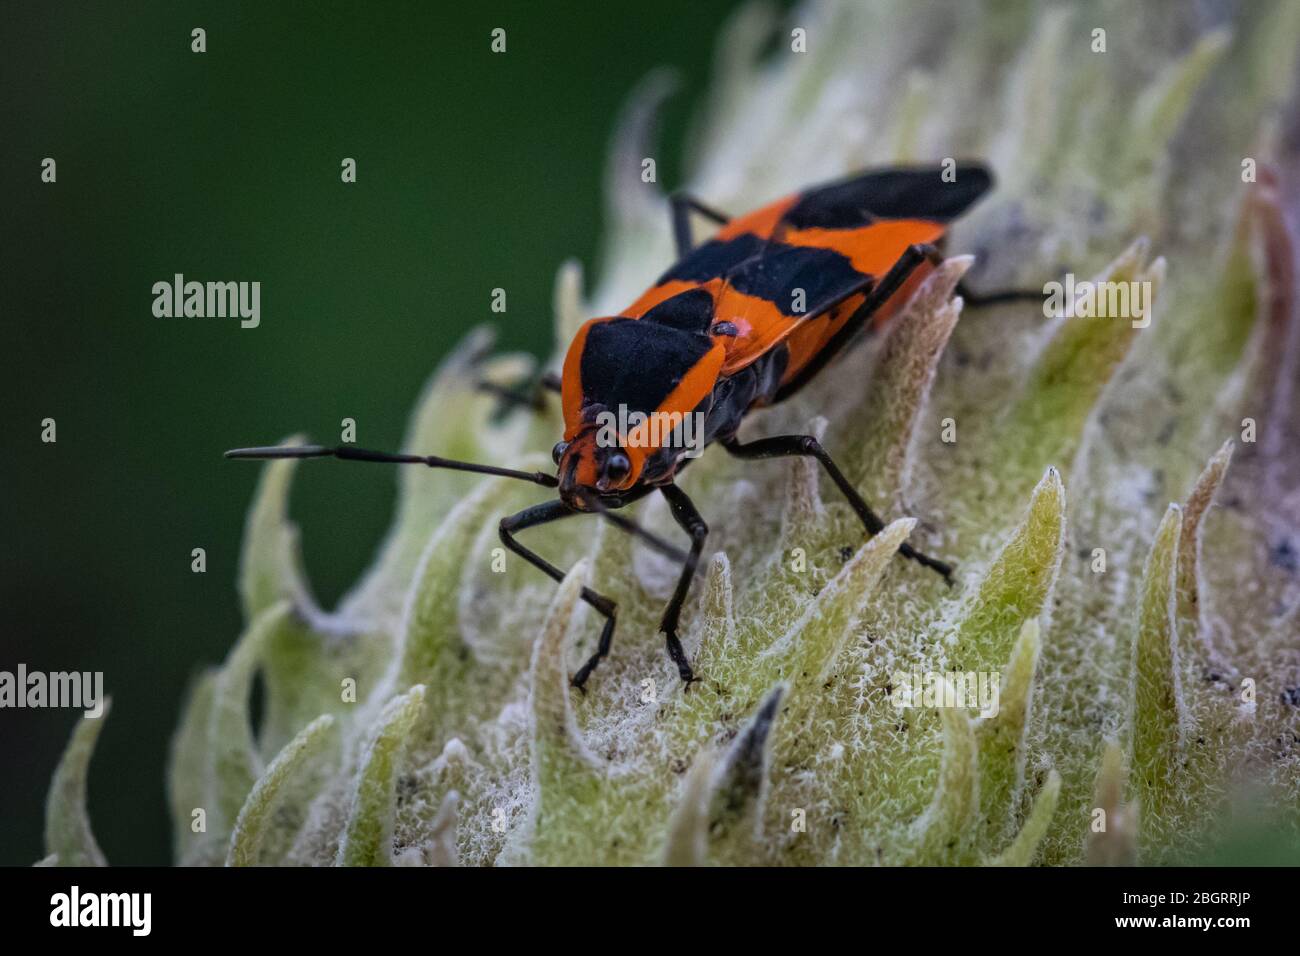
point(681, 205)
point(783, 446)
point(688, 518)
point(544, 514)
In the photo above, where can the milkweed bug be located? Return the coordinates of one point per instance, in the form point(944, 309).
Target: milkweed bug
point(741, 321)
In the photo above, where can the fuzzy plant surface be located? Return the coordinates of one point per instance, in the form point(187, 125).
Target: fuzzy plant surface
point(1121, 501)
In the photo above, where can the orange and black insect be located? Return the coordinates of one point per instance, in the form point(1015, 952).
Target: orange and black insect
point(741, 321)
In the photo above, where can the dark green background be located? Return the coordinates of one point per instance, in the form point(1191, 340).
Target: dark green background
point(474, 170)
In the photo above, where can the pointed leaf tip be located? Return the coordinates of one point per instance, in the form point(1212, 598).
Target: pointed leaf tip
point(441, 849)
point(270, 563)
point(368, 833)
point(1112, 835)
point(1159, 716)
point(1189, 540)
point(901, 380)
point(234, 763)
point(814, 641)
point(940, 834)
point(688, 828)
point(430, 638)
point(1017, 584)
point(567, 302)
point(256, 816)
point(1022, 850)
point(1002, 737)
point(722, 798)
point(739, 784)
point(68, 835)
point(557, 741)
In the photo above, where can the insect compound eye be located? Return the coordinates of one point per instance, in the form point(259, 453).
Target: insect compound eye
point(558, 451)
point(617, 467)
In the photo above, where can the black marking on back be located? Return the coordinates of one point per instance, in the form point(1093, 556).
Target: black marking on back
point(913, 193)
point(637, 363)
point(825, 276)
point(714, 258)
point(689, 311)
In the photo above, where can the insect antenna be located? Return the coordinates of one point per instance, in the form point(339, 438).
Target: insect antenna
point(360, 454)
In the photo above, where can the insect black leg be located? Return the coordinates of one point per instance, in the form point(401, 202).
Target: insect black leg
point(529, 393)
point(544, 514)
point(978, 300)
point(690, 521)
point(347, 453)
point(631, 527)
point(878, 295)
point(786, 445)
point(681, 205)
point(893, 280)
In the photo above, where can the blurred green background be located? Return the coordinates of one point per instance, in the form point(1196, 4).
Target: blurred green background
point(474, 171)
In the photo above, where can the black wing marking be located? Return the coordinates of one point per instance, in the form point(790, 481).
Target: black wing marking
point(713, 259)
point(689, 311)
point(906, 193)
point(799, 281)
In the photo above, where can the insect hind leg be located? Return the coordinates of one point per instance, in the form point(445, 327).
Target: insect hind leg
point(877, 295)
point(783, 446)
point(980, 300)
point(681, 206)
